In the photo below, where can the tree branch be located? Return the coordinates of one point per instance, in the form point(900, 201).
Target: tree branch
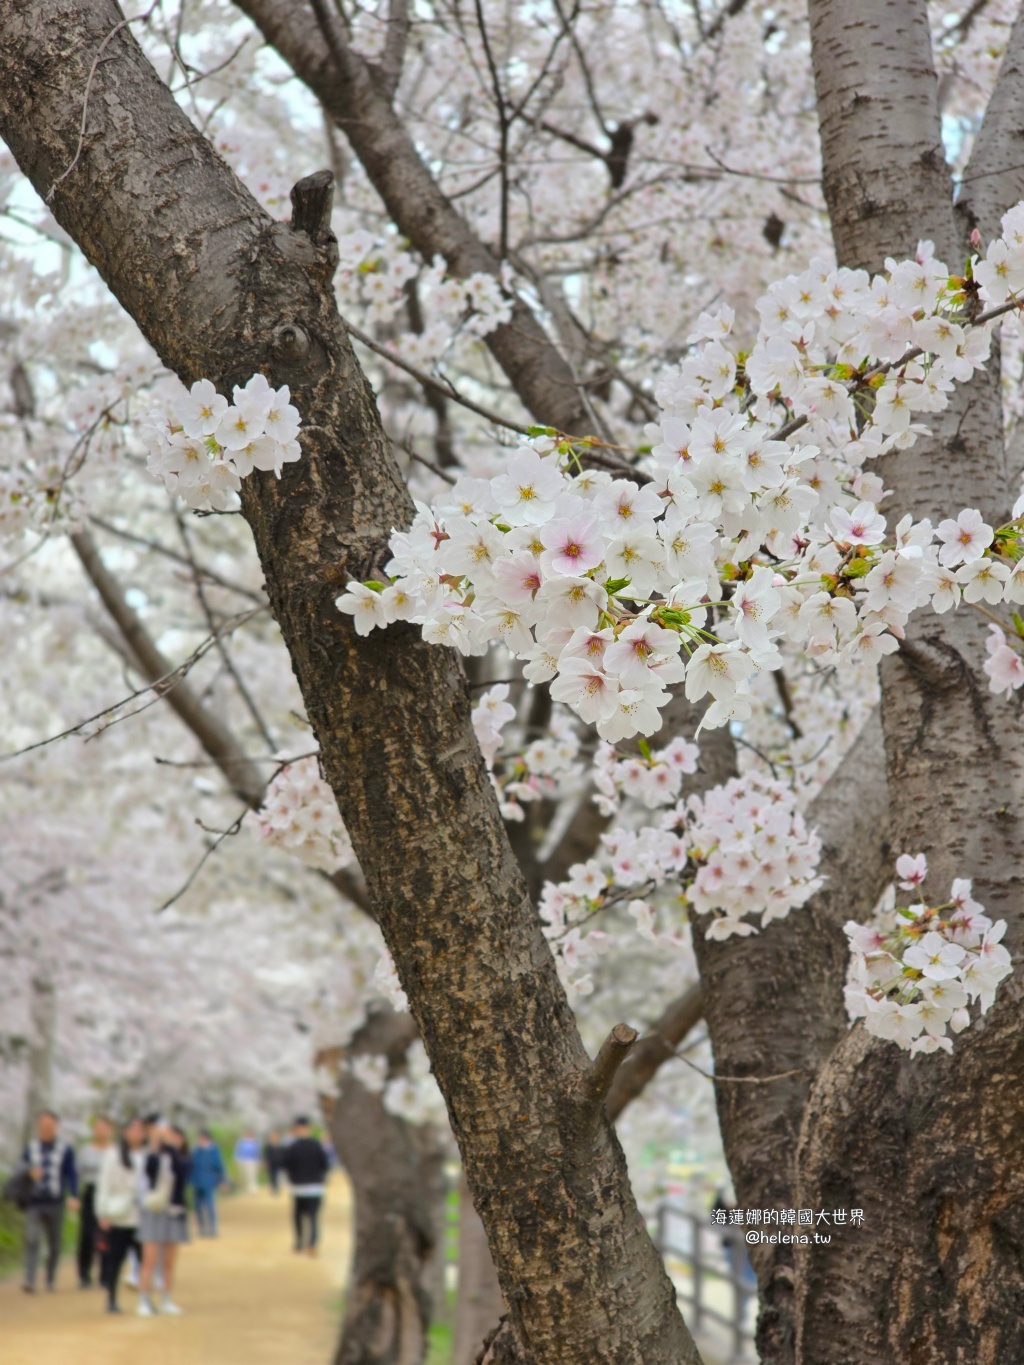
point(656, 1047)
point(597, 1079)
point(243, 776)
point(345, 86)
point(392, 59)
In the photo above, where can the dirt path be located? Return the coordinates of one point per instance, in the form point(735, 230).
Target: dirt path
point(248, 1300)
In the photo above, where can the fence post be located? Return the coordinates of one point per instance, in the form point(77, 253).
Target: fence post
point(739, 1307)
point(698, 1272)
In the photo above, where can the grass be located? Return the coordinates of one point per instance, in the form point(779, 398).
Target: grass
point(439, 1350)
point(12, 1231)
point(12, 1222)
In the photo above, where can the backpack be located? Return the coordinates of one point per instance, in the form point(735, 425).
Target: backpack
point(18, 1189)
point(158, 1199)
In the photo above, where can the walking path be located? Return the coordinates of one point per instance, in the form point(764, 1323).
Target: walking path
point(248, 1300)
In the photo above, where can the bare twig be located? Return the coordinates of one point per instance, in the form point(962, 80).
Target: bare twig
point(222, 649)
point(428, 381)
point(139, 18)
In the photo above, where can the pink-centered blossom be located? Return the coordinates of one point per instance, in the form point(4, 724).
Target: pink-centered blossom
point(863, 526)
point(965, 539)
point(572, 545)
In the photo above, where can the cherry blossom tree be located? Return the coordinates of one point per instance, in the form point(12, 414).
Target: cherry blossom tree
point(664, 602)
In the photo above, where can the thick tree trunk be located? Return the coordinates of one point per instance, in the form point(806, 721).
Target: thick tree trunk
point(929, 1148)
point(775, 1010)
point(222, 291)
point(41, 1048)
point(396, 1169)
point(994, 178)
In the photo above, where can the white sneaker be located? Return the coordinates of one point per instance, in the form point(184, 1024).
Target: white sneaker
point(145, 1309)
point(132, 1281)
point(171, 1309)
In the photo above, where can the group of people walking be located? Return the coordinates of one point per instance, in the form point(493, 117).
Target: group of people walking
point(131, 1190)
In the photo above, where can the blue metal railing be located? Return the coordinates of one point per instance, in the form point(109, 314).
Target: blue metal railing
point(682, 1237)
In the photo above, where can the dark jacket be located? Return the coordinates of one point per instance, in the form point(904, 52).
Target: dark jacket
point(179, 1171)
point(305, 1162)
point(60, 1174)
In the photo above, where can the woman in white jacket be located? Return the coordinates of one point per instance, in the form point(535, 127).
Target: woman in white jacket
point(117, 1204)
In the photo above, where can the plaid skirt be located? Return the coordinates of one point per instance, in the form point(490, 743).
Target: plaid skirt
point(169, 1226)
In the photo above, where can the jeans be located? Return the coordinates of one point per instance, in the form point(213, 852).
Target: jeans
point(305, 1213)
point(205, 1203)
point(43, 1220)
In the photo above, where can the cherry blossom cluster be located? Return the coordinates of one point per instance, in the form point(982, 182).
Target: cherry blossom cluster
point(753, 854)
point(300, 814)
point(204, 447)
point(737, 535)
point(539, 768)
point(741, 849)
point(374, 274)
point(915, 972)
point(653, 778)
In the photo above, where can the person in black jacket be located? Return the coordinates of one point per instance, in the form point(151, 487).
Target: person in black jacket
point(305, 1164)
point(273, 1153)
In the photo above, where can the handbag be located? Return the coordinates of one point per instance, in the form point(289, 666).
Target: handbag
point(18, 1189)
point(158, 1199)
point(119, 1207)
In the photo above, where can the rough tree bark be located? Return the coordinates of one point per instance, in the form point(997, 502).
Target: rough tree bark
point(929, 1148)
point(396, 1169)
point(221, 291)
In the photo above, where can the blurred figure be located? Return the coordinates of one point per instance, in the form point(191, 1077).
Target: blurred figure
point(206, 1176)
point(163, 1221)
point(152, 1126)
point(305, 1164)
point(51, 1164)
point(90, 1158)
point(273, 1156)
point(117, 1203)
point(247, 1158)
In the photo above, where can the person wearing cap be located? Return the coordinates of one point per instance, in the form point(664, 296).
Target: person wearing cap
point(306, 1165)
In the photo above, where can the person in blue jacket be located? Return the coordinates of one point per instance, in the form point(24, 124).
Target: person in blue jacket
point(206, 1176)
